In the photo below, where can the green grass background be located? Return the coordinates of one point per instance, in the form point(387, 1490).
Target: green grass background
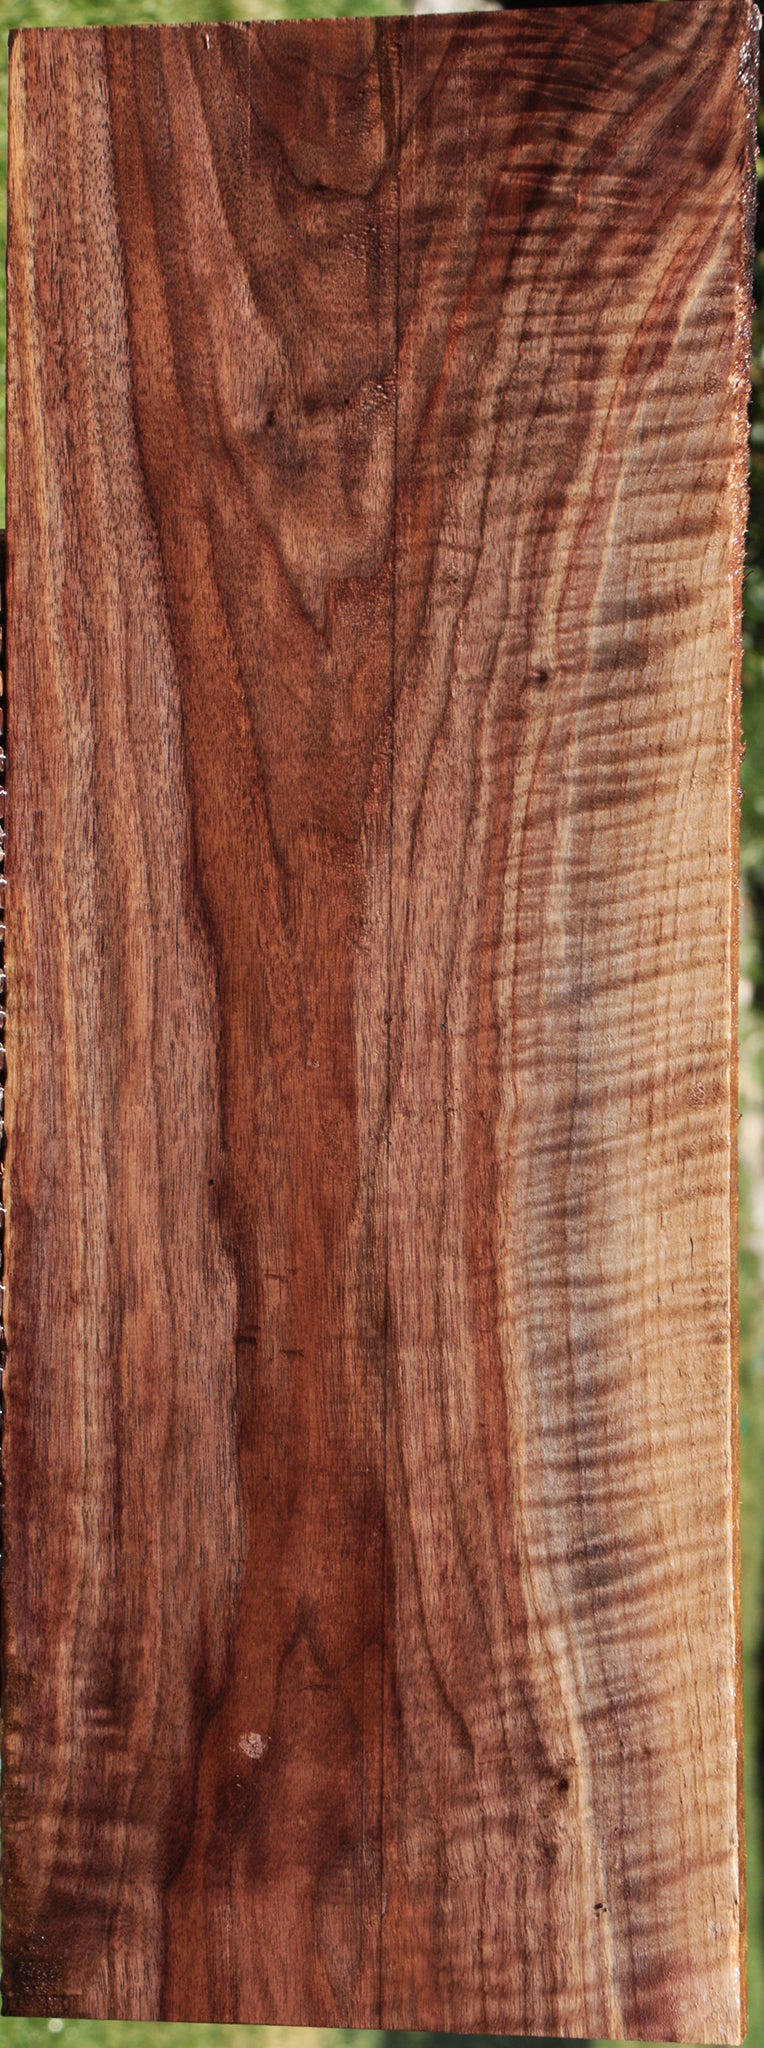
point(15, 2033)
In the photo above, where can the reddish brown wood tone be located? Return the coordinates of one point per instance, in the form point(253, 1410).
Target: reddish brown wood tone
point(375, 502)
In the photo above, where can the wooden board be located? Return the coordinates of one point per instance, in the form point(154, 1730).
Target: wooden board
point(376, 488)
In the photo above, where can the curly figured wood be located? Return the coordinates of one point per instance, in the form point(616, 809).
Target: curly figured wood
point(375, 503)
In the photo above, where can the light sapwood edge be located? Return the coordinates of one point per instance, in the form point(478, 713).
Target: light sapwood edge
point(740, 493)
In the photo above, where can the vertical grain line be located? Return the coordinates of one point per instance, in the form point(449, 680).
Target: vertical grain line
point(396, 145)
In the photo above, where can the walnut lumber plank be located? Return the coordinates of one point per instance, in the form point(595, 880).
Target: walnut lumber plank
point(375, 507)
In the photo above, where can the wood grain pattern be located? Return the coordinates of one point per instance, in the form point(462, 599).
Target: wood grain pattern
point(375, 502)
